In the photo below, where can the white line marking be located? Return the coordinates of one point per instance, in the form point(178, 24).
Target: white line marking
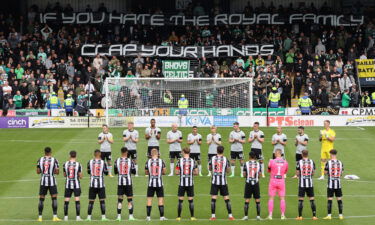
point(361, 128)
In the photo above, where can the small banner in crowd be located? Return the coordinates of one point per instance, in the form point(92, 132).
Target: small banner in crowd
point(176, 68)
point(366, 72)
point(325, 111)
point(32, 112)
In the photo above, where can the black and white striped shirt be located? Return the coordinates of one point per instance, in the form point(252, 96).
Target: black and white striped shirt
point(252, 170)
point(186, 167)
point(219, 165)
point(72, 170)
point(97, 168)
point(155, 169)
point(47, 166)
point(306, 168)
point(124, 167)
point(334, 169)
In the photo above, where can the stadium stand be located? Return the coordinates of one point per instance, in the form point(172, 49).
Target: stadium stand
point(37, 60)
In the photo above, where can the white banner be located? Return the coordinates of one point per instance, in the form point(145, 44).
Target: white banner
point(76, 122)
point(201, 121)
point(318, 121)
point(203, 20)
point(293, 111)
point(161, 121)
point(58, 112)
point(177, 51)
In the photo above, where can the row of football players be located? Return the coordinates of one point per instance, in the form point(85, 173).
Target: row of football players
point(237, 139)
point(186, 168)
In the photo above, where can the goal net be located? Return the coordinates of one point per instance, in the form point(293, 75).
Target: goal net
point(177, 96)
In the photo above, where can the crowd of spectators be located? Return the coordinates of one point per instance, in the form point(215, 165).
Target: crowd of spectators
point(38, 59)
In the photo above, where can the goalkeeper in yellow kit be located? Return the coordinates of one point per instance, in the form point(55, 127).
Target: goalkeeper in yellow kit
point(327, 137)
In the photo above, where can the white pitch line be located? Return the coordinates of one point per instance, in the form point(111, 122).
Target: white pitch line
point(361, 128)
point(198, 220)
point(173, 195)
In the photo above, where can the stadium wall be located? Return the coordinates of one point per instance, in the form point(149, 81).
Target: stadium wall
point(188, 121)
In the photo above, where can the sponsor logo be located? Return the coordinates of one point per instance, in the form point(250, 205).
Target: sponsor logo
point(289, 121)
point(224, 121)
point(361, 120)
point(363, 112)
point(198, 121)
point(48, 121)
point(14, 122)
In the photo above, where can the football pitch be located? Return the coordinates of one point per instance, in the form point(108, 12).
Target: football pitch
point(19, 183)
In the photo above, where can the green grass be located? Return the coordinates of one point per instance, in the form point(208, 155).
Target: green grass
point(19, 184)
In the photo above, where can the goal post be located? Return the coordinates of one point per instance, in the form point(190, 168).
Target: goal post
point(125, 97)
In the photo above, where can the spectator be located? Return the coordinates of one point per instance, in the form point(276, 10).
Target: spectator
point(335, 95)
point(345, 82)
point(320, 48)
point(18, 100)
point(322, 99)
point(345, 99)
point(297, 83)
point(287, 92)
point(366, 100)
point(305, 104)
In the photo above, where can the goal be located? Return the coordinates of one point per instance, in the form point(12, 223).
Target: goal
point(126, 97)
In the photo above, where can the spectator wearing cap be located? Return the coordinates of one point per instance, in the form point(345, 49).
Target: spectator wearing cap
point(53, 102)
point(69, 105)
point(305, 104)
point(183, 104)
point(274, 98)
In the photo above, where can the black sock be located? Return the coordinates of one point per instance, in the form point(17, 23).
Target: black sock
point(313, 207)
point(339, 202)
point(90, 207)
point(161, 210)
point(41, 206)
point(213, 206)
point(300, 207)
point(258, 208)
point(119, 201)
point(131, 209)
point(229, 207)
point(148, 210)
point(78, 208)
point(54, 205)
point(102, 206)
point(66, 208)
point(329, 207)
point(246, 208)
point(191, 207)
point(179, 207)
